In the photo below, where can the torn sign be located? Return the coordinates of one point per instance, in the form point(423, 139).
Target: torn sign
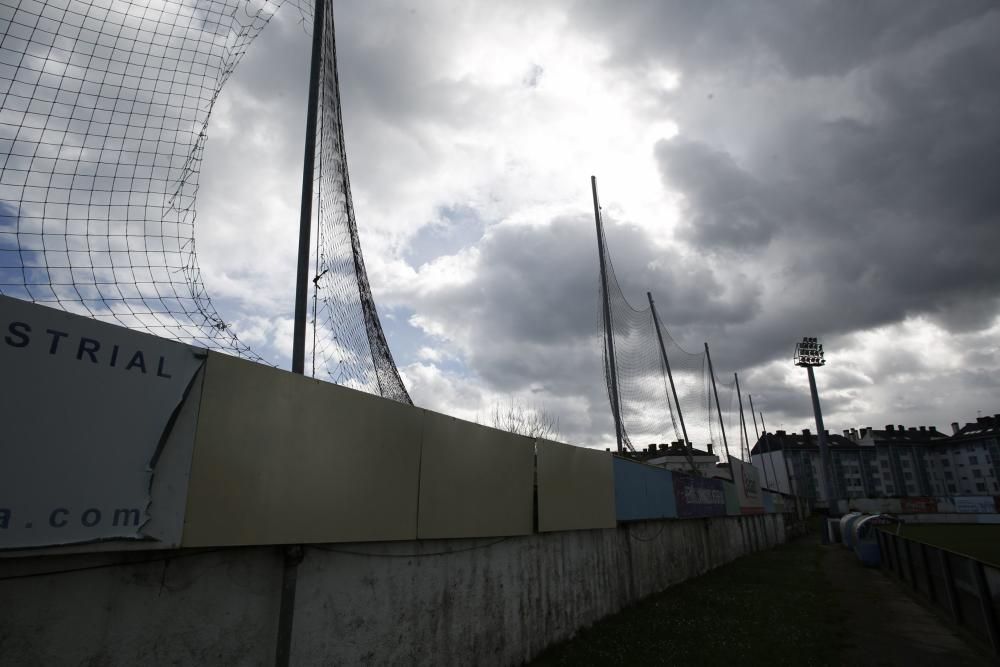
point(86, 410)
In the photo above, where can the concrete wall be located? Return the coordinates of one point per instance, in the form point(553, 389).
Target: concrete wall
point(491, 601)
point(195, 608)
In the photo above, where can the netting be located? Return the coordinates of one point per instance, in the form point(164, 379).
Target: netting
point(104, 112)
point(349, 346)
point(648, 411)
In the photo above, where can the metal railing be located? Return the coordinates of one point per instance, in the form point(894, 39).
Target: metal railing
point(968, 590)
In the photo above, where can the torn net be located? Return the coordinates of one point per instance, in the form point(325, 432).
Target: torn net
point(104, 117)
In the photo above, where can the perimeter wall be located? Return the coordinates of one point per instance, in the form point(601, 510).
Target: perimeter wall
point(412, 537)
point(496, 601)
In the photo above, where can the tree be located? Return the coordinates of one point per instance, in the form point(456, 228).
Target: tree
point(530, 421)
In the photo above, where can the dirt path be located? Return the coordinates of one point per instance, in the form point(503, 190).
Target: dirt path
point(883, 625)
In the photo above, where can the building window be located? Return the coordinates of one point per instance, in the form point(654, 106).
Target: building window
point(905, 463)
point(973, 460)
point(908, 475)
point(949, 474)
point(946, 463)
point(951, 488)
point(977, 473)
point(981, 487)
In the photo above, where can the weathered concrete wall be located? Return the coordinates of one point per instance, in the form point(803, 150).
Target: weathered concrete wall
point(492, 601)
point(193, 608)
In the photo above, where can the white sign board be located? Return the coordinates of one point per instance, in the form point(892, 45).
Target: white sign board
point(85, 414)
point(975, 504)
point(747, 481)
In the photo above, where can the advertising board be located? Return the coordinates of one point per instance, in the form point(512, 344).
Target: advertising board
point(747, 480)
point(643, 491)
point(974, 504)
point(575, 487)
point(87, 415)
point(918, 505)
point(698, 496)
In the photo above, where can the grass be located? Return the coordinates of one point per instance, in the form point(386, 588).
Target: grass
point(979, 541)
point(770, 608)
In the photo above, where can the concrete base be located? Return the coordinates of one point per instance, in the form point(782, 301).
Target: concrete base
point(441, 602)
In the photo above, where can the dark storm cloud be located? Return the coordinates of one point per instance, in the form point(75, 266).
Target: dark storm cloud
point(529, 319)
point(536, 289)
point(892, 215)
point(726, 206)
point(825, 38)
point(852, 178)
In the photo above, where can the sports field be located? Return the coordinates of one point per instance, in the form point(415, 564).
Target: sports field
point(977, 540)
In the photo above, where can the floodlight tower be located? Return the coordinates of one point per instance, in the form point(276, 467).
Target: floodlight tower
point(809, 353)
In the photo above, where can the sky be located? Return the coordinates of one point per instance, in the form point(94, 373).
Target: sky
point(768, 170)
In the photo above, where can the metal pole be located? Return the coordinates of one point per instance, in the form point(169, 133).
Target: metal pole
point(756, 431)
point(305, 216)
point(774, 471)
point(949, 587)
point(670, 376)
point(759, 441)
point(608, 336)
point(293, 553)
point(824, 452)
point(986, 604)
point(743, 419)
point(718, 407)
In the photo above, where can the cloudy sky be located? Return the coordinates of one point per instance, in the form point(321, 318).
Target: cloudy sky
point(768, 170)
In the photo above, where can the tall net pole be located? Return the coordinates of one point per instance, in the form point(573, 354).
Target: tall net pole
point(743, 419)
point(305, 214)
point(763, 442)
point(670, 376)
point(718, 406)
point(608, 327)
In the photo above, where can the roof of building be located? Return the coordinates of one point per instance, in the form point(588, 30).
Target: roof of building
point(672, 449)
point(899, 434)
point(892, 434)
point(805, 440)
point(982, 427)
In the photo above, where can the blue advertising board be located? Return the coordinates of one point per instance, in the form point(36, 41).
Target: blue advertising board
point(768, 502)
point(643, 492)
point(699, 496)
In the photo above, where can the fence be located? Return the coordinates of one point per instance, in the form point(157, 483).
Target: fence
point(426, 539)
point(965, 588)
point(185, 448)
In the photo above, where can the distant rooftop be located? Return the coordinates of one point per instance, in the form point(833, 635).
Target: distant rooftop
point(891, 434)
point(983, 426)
point(805, 440)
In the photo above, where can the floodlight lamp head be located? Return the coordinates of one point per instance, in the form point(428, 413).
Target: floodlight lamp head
point(809, 352)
